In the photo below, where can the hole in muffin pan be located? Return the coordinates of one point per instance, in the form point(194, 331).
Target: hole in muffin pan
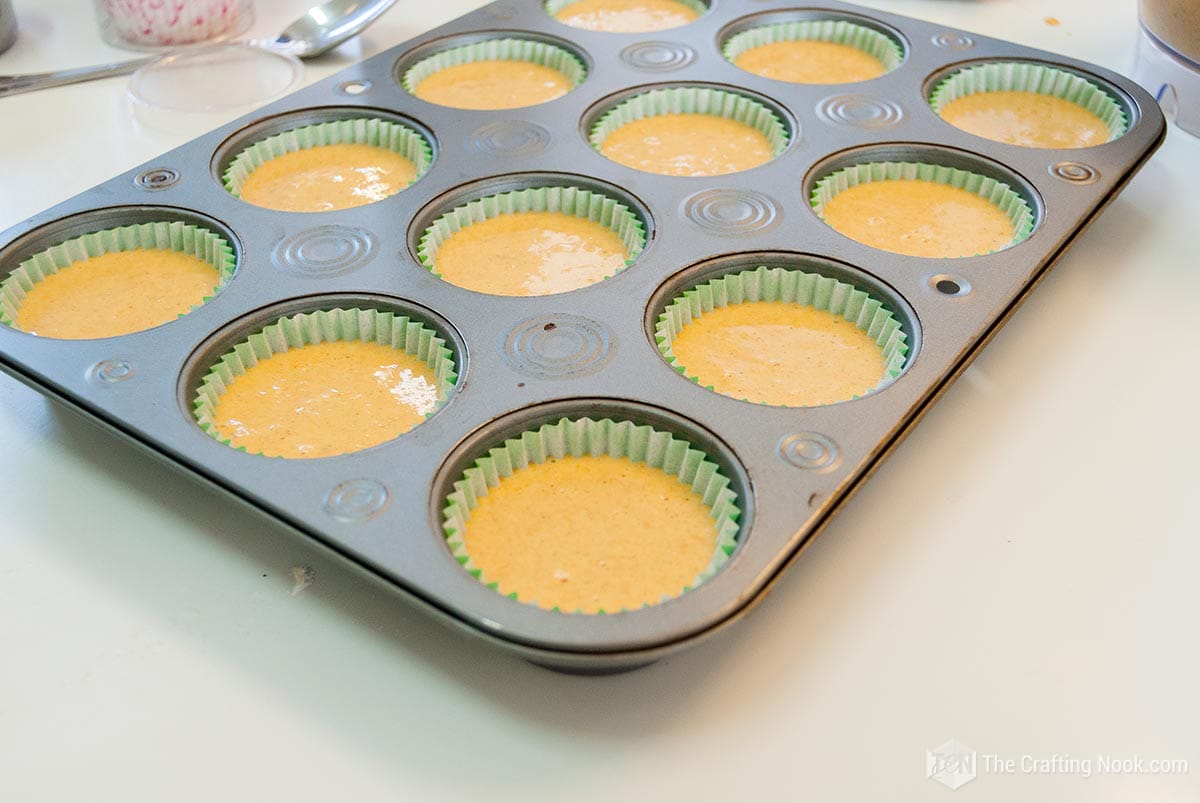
point(949, 285)
point(405, 63)
point(354, 88)
point(936, 155)
point(715, 268)
point(1121, 98)
point(209, 353)
point(268, 127)
point(767, 18)
point(496, 185)
point(69, 228)
point(496, 432)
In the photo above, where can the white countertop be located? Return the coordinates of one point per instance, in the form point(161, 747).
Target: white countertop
point(1019, 575)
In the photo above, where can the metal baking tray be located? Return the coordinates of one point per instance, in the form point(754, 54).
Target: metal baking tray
point(524, 361)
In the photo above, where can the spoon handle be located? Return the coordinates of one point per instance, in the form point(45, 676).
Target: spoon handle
point(30, 82)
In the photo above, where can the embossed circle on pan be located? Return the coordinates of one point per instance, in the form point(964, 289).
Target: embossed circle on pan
point(658, 56)
point(509, 138)
point(159, 178)
point(860, 111)
point(558, 346)
point(811, 451)
point(357, 500)
point(953, 40)
point(732, 212)
point(324, 251)
point(110, 372)
point(1075, 172)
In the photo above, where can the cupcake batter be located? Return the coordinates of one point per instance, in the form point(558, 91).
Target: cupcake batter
point(920, 218)
point(778, 352)
point(808, 61)
point(530, 254)
point(326, 399)
point(1030, 119)
point(626, 16)
point(591, 533)
point(116, 293)
point(687, 145)
point(493, 84)
point(327, 177)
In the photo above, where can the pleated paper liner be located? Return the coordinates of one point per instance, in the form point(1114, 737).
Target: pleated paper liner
point(178, 236)
point(505, 49)
point(553, 7)
point(583, 437)
point(1041, 79)
point(310, 328)
point(840, 32)
point(399, 139)
point(693, 100)
point(790, 286)
point(1004, 197)
point(576, 201)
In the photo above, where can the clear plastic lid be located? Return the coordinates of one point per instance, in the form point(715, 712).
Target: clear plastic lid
point(194, 90)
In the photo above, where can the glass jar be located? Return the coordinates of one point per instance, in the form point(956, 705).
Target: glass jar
point(156, 24)
point(1168, 58)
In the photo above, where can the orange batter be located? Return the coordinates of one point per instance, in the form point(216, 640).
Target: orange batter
point(116, 293)
point(530, 254)
point(920, 218)
point(326, 399)
point(777, 352)
point(493, 84)
point(327, 177)
point(809, 61)
point(626, 16)
point(1030, 119)
point(591, 534)
point(687, 145)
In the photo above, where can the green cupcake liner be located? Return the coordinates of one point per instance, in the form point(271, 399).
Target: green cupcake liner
point(997, 192)
point(794, 287)
point(575, 201)
point(185, 238)
point(1017, 76)
point(693, 100)
point(581, 437)
point(356, 131)
point(839, 32)
point(554, 6)
point(309, 328)
point(530, 50)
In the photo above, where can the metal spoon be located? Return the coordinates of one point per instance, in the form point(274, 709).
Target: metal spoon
point(321, 29)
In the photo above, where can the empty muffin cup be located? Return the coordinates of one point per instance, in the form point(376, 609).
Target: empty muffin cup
point(592, 516)
point(337, 164)
point(317, 384)
point(116, 281)
point(924, 210)
point(533, 242)
point(1031, 105)
point(690, 131)
point(626, 16)
point(782, 337)
point(495, 74)
point(814, 51)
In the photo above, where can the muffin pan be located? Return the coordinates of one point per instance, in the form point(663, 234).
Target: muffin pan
point(522, 362)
